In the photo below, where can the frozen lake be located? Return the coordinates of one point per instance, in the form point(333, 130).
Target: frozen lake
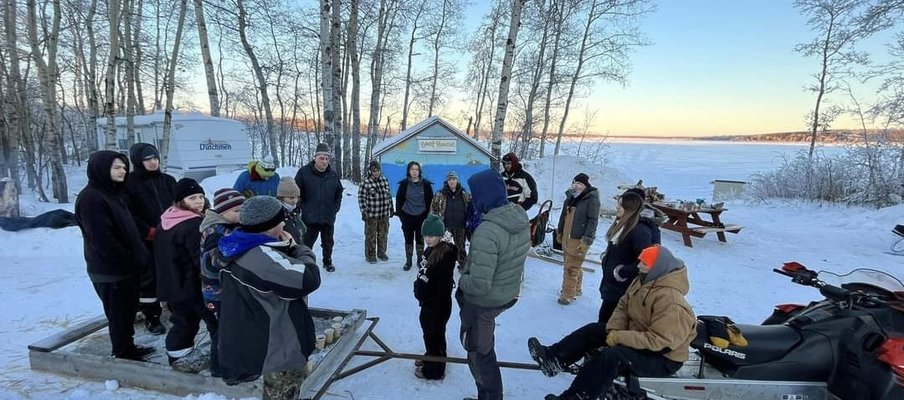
point(685, 168)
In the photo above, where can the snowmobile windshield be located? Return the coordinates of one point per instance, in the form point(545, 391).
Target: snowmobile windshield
point(862, 279)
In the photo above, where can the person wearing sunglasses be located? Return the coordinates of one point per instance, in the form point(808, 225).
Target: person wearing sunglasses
point(260, 179)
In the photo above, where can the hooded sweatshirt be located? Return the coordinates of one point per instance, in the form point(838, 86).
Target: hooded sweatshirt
point(654, 314)
point(150, 192)
point(492, 276)
point(177, 253)
point(520, 186)
point(266, 325)
point(113, 247)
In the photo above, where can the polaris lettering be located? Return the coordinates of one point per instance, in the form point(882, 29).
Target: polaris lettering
point(216, 146)
point(727, 352)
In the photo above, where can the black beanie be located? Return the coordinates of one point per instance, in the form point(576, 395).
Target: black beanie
point(148, 152)
point(186, 187)
point(583, 178)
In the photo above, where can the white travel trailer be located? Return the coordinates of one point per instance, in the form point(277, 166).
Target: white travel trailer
point(200, 145)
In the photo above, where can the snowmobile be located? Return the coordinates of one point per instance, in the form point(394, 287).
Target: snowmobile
point(849, 346)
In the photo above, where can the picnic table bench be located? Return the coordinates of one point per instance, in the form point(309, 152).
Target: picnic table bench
point(692, 222)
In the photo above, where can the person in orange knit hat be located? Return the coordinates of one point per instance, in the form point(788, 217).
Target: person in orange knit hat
point(653, 345)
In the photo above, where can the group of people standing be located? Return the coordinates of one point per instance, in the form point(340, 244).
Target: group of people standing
point(243, 265)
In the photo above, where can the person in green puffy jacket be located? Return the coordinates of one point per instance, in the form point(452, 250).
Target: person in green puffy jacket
point(491, 280)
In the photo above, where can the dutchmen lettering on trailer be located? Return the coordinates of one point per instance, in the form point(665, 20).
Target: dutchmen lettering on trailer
point(727, 352)
point(211, 144)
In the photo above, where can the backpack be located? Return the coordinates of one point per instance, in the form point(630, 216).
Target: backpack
point(538, 224)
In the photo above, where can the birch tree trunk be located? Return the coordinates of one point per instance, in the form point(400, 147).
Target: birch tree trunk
point(13, 111)
point(536, 77)
point(48, 76)
point(171, 87)
point(406, 105)
point(90, 82)
point(505, 80)
point(437, 42)
point(376, 74)
point(115, 11)
point(591, 17)
point(130, 75)
point(559, 18)
point(326, 72)
point(262, 82)
point(136, 61)
point(212, 95)
point(355, 64)
point(336, 87)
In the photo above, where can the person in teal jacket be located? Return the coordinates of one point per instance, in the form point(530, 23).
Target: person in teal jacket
point(491, 280)
point(260, 179)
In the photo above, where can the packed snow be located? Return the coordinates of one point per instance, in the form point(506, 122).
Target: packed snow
point(45, 288)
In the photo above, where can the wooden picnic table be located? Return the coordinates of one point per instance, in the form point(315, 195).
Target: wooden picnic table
point(692, 222)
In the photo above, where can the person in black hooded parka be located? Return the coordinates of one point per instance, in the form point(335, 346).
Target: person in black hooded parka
point(113, 248)
point(150, 194)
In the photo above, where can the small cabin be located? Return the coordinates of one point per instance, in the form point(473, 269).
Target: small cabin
point(438, 146)
point(200, 145)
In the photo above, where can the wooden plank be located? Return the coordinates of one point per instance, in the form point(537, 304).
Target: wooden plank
point(329, 363)
point(138, 374)
point(61, 339)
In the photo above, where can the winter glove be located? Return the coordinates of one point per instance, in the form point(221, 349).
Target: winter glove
point(723, 332)
point(152, 233)
point(612, 339)
point(559, 236)
point(583, 246)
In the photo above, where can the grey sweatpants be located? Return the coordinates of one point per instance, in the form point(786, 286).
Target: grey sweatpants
point(478, 336)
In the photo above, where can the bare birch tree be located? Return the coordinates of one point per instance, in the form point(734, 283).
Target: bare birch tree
point(413, 37)
point(837, 34)
point(13, 101)
point(610, 33)
point(212, 94)
point(355, 64)
point(504, 81)
point(114, 11)
point(261, 81)
point(48, 76)
point(336, 93)
point(171, 86)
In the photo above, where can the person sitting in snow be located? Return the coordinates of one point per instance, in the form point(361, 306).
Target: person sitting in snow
point(433, 291)
point(577, 231)
point(452, 203)
point(114, 250)
point(648, 334)
point(288, 194)
point(218, 221)
point(265, 326)
point(260, 179)
point(177, 253)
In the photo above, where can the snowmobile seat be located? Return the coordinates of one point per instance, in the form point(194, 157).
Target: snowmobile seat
point(764, 344)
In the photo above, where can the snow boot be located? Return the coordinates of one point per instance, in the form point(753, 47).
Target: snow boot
point(136, 353)
point(408, 250)
point(420, 252)
point(192, 363)
point(569, 395)
point(328, 267)
point(383, 257)
point(153, 326)
point(545, 357)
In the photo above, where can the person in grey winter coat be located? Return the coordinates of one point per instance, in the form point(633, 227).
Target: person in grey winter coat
point(576, 231)
point(320, 200)
point(491, 280)
point(265, 325)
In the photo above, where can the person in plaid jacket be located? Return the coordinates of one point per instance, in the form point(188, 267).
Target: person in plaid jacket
point(375, 202)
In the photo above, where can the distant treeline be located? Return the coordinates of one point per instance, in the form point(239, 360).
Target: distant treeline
point(831, 136)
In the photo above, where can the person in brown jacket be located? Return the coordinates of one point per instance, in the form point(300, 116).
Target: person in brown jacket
point(649, 333)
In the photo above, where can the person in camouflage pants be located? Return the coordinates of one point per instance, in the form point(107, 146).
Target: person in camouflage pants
point(375, 202)
point(451, 203)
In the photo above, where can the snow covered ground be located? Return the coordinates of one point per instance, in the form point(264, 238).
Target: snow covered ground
point(45, 289)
